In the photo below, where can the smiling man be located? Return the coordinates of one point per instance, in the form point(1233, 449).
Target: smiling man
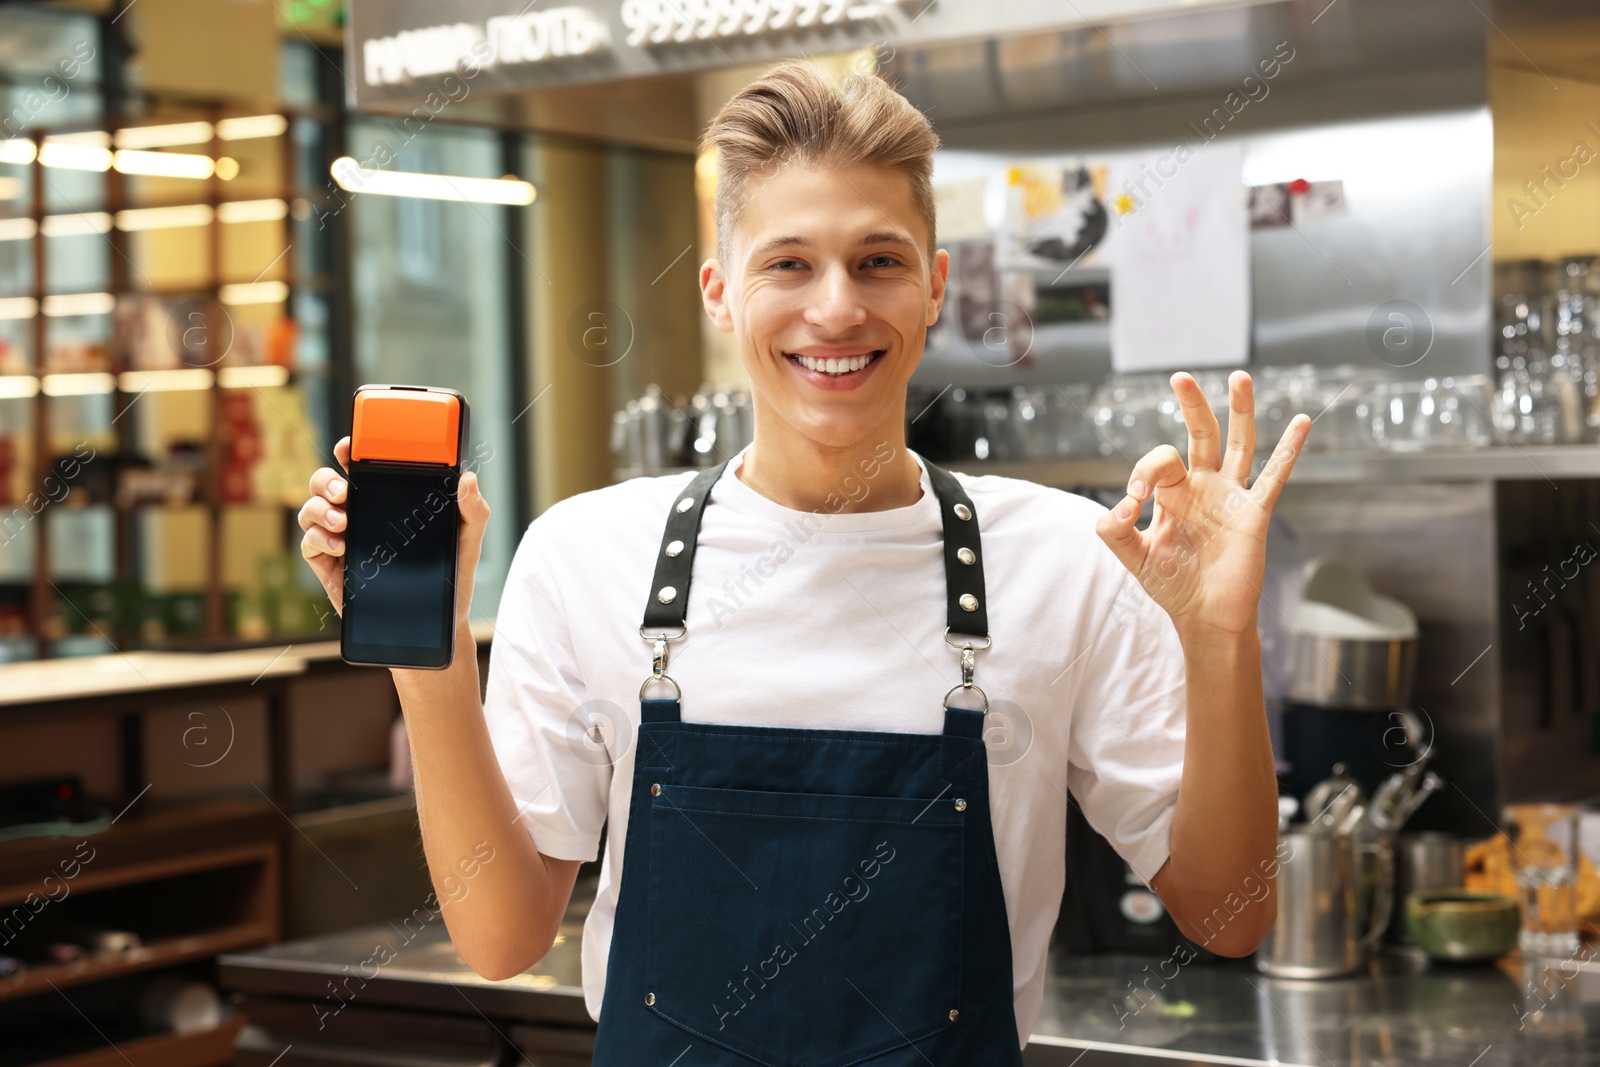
point(834, 780)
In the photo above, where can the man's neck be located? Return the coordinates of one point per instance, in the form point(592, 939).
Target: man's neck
point(798, 473)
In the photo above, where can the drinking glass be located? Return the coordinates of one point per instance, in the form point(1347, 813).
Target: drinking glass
point(1544, 857)
point(1397, 415)
point(1459, 413)
point(1033, 422)
point(1281, 394)
point(1540, 398)
point(1074, 420)
point(1128, 415)
point(1341, 404)
point(998, 440)
point(1432, 413)
point(1575, 345)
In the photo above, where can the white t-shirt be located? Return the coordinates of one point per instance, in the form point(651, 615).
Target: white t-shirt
point(836, 621)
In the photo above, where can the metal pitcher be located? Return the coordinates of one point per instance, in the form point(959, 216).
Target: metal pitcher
point(1335, 894)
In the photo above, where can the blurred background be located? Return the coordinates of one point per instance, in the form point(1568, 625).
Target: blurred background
point(218, 217)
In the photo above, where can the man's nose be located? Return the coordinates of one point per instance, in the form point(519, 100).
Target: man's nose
point(836, 305)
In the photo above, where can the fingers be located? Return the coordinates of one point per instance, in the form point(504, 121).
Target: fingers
point(1118, 530)
point(1205, 437)
point(1270, 482)
point(329, 570)
point(329, 484)
point(325, 522)
point(1160, 467)
point(1241, 449)
point(319, 540)
point(321, 517)
point(317, 511)
point(469, 499)
point(474, 511)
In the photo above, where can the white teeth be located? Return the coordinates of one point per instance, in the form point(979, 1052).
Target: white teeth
point(835, 366)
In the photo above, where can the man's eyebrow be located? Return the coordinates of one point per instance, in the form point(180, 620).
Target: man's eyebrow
point(781, 242)
point(886, 237)
point(879, 237)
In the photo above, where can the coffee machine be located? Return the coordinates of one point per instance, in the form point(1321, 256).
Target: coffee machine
point(1352, 668)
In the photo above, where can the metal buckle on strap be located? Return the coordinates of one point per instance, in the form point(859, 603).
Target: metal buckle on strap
point(969, 662)
point(658, 660)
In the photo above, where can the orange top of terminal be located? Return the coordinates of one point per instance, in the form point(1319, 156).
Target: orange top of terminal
point(407, 425)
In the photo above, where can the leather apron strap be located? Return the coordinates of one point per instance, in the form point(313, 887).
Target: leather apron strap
point(966, 608)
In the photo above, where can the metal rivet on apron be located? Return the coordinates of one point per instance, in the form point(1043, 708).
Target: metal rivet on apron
point(649, 998)
point(968, 602)
point(686, 503)
point(953, 1014)
point(963, 512)
point(674, 547)
point(655, 789)
point(965, 555)
point(961, 804)
point(668, 593)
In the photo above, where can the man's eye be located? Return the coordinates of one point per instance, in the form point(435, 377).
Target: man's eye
point(787, 264)
point(881, 261)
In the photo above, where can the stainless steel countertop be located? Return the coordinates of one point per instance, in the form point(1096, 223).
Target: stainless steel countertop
point(1401, 1011)
point(1127, 1011)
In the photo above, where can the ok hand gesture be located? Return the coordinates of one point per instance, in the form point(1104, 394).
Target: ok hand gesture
point(1204, 554)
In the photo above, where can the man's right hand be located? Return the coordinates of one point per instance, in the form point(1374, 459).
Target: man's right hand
point(324, 520)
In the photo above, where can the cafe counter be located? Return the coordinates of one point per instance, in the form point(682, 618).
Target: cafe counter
point(396, 990)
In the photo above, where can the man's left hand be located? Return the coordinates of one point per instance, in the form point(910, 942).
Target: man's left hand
point(1203, 557)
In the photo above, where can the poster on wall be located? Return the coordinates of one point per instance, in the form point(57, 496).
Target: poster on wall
point(1056, 215)
point(1180, 263)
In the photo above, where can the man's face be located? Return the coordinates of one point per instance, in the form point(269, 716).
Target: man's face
point(829, 294)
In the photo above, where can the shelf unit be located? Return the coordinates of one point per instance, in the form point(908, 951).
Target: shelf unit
point(44, 598)
point(203, 877)
point(1511, 463)
point(258, 927)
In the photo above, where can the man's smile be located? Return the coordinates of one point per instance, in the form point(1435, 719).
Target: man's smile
point(835, 365)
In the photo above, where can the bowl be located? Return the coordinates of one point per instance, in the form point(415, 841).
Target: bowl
point(1462, 926)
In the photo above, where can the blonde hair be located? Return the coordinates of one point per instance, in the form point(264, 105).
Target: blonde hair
point(797, 112)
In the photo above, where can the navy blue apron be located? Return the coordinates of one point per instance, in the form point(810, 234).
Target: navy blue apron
point(809, 898)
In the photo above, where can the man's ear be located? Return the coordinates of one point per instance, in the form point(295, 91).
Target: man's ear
point(714, 295)
point(939, 281)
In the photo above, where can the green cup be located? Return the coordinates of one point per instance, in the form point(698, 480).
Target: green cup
point(1462, 926)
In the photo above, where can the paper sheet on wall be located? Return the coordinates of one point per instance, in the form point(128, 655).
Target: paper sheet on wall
point(1180, 264)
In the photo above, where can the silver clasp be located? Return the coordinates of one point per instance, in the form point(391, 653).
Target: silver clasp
point(969, 663)
point(658, 659)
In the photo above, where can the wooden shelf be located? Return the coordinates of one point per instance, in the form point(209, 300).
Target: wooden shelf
point(170, 952)
point(205, 1048)
point(150, 831)
point(72, 885)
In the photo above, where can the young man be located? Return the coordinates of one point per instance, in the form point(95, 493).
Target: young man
point(813, 855)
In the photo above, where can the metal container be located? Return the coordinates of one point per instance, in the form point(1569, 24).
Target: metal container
point(1334, 900)
point(1357, 650)
point(1341, 672)
point(1424, 861)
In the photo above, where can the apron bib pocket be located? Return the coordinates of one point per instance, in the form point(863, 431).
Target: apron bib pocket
point(804, 929)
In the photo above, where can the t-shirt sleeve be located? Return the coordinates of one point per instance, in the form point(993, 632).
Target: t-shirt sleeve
point(537, 711)
point(1125, 757)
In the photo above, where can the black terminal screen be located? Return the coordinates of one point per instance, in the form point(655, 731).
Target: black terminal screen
point(399, 567)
